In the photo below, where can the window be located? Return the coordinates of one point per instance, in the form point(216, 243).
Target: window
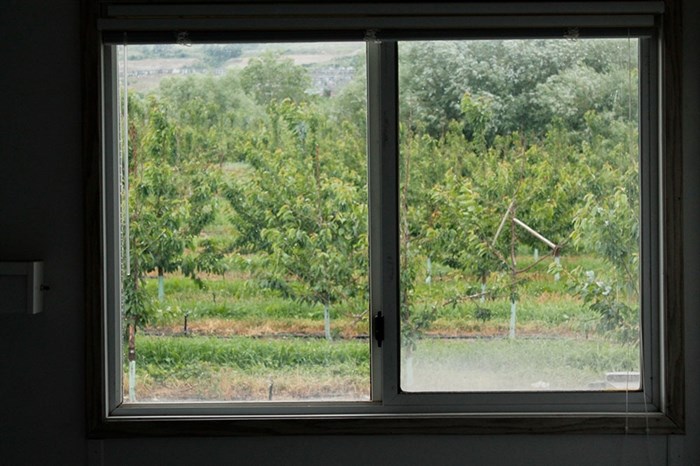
point(384, 221)
point(515, 159)
point(248, 189)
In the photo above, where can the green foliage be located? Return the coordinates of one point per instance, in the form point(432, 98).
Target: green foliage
point(211, 115)
point(569, 95)
point(541, 131)
point(205, 257)
point(215, 55)
point(483, 314)
point(479, 115)
point(526, 83)
point(157, 219)
point(172, 197)
point(431, 84)
point(303, 210)
point(456, 233)
point(616, 317)
point(610, 228)
point(168, 353)
point(159, 143)
point(270, 77)
point(137, 307)
point(351, 106)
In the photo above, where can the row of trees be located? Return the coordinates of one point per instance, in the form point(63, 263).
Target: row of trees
point(493, 135)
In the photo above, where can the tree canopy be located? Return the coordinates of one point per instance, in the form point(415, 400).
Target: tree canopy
point(541, 131)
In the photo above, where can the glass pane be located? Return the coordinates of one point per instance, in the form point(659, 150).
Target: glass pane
point(244, 222)
point(519, 202)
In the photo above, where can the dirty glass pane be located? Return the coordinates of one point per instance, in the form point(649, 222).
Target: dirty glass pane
point(520, 214)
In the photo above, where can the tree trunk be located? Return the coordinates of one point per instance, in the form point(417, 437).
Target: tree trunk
point(429, 271)
point(513, 309)
point(161, 285)
point(408, 366)
point(132, 363)
point(327, 323)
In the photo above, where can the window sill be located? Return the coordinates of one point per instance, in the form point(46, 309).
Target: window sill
point(370, 424)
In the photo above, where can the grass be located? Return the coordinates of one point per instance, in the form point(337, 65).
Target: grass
point(241, 368)
point(238, 296)
point(503, 364)
point(244, 337)
point(228, 384)
point(251, 354)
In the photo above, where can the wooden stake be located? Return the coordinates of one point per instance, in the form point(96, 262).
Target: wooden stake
point(503, 222)
point(534, 233)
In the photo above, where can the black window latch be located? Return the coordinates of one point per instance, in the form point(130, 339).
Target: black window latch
point(378, 327)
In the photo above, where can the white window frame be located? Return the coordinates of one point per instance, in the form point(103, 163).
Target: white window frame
point(656, 408)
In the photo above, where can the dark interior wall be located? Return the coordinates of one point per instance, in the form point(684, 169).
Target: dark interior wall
point(42, 404)
point(42, 356)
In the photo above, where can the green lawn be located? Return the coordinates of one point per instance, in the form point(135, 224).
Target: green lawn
point(247, 341)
